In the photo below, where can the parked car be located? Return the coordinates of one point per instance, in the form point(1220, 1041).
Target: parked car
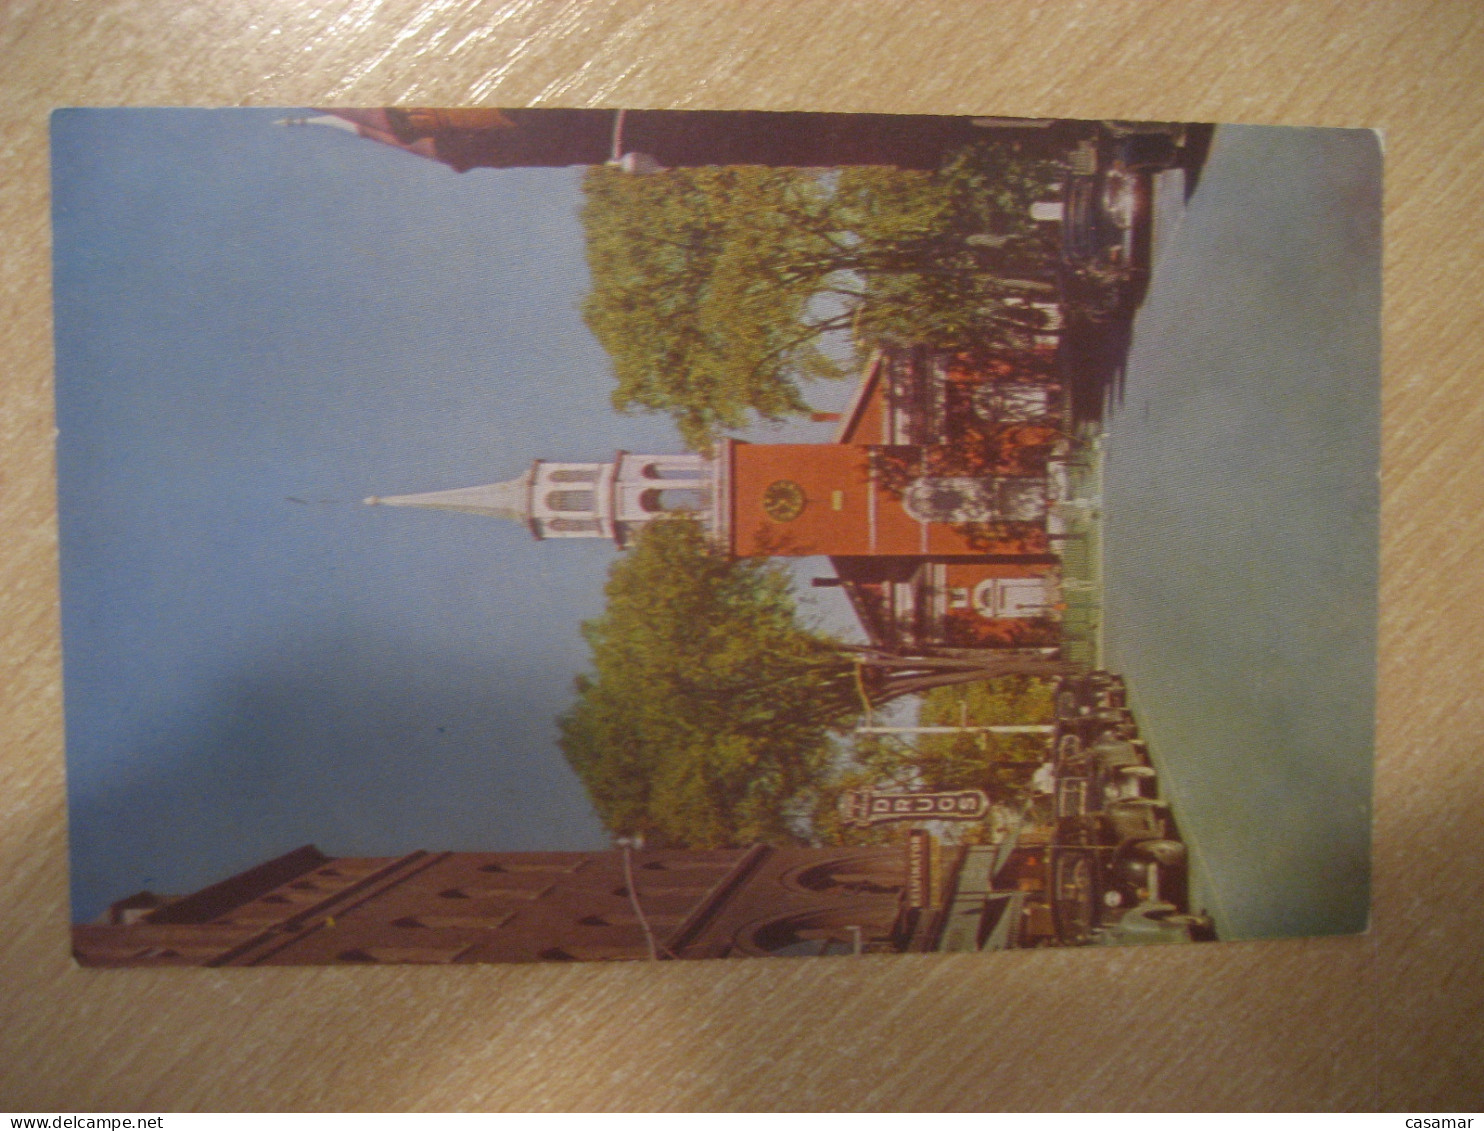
point(1089, 779)
point(1083, 694)
point(1107, 219)
point(1094, 883)
point(1089, 706)
point(1133, 892)
point(1115, 850)
point(1155, 922)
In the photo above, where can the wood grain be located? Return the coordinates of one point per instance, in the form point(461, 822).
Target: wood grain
point(1384, 1021)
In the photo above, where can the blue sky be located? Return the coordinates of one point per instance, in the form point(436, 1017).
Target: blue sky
point(256, 328)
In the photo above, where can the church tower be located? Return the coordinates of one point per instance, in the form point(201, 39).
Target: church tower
point(586, 500)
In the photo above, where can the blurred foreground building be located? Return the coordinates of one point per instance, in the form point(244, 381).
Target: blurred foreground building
point(643, 140)
point(306, 908)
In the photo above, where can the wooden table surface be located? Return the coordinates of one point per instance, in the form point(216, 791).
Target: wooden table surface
point(1389, 1020)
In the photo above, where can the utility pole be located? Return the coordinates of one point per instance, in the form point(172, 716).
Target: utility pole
point(626, 845)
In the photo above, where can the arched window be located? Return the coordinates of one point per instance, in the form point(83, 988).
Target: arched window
point(871, 873)
point(666, 471)
point(574, 475)
point(574, 526)
point(572, 502)
point(960, 499)
point(838, 930)
point(664, 500)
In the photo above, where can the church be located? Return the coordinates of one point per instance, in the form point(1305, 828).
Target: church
point(937, 504)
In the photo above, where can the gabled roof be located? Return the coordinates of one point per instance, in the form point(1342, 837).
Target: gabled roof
point(376, 125)
point(867, 395)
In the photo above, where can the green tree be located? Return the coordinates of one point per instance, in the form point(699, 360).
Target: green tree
point(713, 716)
point(715, 290)
point(1000, 763)
point(709, 715)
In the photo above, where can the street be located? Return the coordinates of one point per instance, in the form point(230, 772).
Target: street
point(1240, 510)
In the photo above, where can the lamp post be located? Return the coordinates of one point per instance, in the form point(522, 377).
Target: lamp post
point(632, 163)
point(627, 845)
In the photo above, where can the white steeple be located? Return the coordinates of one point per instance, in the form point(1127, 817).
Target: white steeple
point(585, 500)
point(320, 120)
point(508, 499)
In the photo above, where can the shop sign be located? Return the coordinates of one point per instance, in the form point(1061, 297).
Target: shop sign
point(864, 807)
point(922, 869)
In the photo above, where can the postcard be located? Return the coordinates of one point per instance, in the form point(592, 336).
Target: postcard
point(504, 535)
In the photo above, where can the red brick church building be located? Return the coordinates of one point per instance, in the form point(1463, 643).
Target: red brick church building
point(936, 504)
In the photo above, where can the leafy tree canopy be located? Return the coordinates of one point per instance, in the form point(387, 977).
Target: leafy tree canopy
point(715, 289)
point(708, 718)
point(1000, 765)
point(984, 761)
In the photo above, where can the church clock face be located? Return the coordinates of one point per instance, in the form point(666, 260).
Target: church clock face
point(784, 500)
